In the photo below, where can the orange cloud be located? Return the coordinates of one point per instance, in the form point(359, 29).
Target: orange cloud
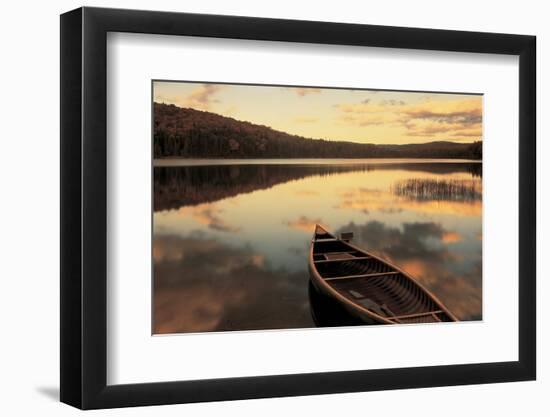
point(303, 91)
point(451, 237)
point(434, 118)
point(303, 223)
point(375, 200)
point(200, 98)
point(466, 111)
point(210, 215)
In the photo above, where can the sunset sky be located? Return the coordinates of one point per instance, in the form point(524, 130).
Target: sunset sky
point(365, 116)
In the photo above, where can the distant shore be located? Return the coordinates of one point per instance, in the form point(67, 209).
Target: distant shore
point(166, 161)
point(189, 133)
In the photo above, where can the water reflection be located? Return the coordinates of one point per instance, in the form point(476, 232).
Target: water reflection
point(431, 189)
point(178, 186)
point(230, 242)
point(203, 285)
point(426, 251)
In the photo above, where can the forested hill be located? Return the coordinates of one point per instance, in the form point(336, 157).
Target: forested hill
point(188, 133)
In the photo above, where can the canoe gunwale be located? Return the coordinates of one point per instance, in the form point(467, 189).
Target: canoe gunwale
point(359, 309)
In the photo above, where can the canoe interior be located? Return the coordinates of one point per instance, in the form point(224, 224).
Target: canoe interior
point(372, 284)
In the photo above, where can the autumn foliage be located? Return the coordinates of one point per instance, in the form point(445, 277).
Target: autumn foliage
point(189, 133)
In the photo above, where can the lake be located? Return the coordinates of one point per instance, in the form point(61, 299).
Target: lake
point(231, 238)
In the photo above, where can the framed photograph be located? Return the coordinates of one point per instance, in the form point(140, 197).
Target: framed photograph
point(256, 208)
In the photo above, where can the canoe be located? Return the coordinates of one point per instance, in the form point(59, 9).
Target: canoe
point(327, 312)
point(368, 287)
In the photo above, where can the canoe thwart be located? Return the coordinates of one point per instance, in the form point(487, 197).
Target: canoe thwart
point(351, 258)
point(377, 274)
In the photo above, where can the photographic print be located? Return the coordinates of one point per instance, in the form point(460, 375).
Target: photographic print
point(284, 207)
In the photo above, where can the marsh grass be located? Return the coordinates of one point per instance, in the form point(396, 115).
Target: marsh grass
point(443, 190)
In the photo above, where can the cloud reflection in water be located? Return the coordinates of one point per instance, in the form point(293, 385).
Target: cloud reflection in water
point(202, 285)
point(422, 249)
point(230, 242)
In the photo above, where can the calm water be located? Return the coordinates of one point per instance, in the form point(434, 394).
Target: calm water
point(230, 241)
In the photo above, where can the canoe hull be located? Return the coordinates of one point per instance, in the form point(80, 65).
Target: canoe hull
point(365, 318)
point(368, 287)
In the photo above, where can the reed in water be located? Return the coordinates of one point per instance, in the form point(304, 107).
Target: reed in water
point(439, 189)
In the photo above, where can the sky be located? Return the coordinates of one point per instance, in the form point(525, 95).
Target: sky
point(364, 116)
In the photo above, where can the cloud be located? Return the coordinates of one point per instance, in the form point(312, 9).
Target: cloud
point(304, 91)
point(451, 237)
point(461, 118)
point(471, 133)
point(367, 119)
point(368, 201)
point(368, 113)
point(392, 102)
point(304, 223)
point(368, 107)
point(202, 96)
point(465, 112)
point(210, 215)
point(431, 129)
point(409, 242)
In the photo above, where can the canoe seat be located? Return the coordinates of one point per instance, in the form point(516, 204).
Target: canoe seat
point(354, 277)
point(338, 256)
point(338, 259)
point(327, 239)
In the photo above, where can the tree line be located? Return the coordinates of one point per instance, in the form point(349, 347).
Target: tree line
point(188, 133)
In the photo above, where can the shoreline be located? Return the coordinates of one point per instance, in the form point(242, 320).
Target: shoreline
point(168, 162)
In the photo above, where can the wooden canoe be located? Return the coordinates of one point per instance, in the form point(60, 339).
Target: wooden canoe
point(368, 287)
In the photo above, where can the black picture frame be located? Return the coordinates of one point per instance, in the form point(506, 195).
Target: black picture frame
point(84, 207)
